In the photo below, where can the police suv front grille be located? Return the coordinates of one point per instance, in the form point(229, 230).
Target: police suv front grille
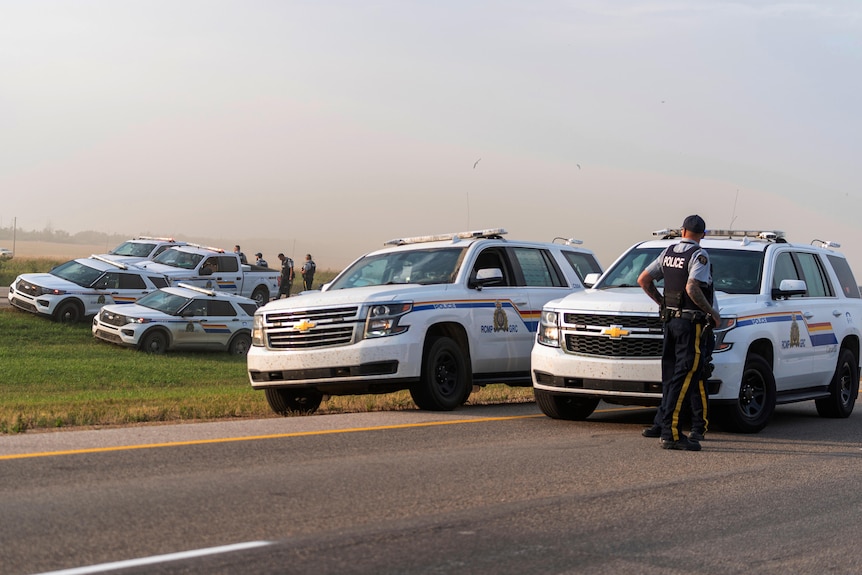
point(603, 346)
point(112, 318)
point(600, 335)
point(27, 288)
point(311, 328)
point(627, 321)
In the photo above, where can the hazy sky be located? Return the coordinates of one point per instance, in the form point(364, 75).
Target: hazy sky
point(332, 126)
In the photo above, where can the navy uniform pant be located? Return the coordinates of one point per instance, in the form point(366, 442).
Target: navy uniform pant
point(682, 365)
point(699, 397)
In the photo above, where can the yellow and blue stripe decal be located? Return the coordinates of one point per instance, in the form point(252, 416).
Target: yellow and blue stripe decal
point(215, 327)
point(529, 317)
point(123, 300)
point(226, 285)
point(818, 333)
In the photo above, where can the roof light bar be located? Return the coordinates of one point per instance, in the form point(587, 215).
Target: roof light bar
point(569, 241)
point(489, 233)
point(122, 266)
point(770, 235)
point(155, 238)
point(197, 288)
point(826, 244)
point(210, 248)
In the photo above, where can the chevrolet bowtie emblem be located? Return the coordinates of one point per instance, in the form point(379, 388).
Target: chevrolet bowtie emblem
point(304, 325)
point(615, 331)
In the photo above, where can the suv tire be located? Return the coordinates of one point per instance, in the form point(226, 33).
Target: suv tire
point(286, 401)
point(842, 390)
point(565, 407)
point(445, 382)
point(752, 409)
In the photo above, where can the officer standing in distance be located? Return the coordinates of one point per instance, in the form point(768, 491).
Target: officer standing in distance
point(688, 312)
point(285, 280)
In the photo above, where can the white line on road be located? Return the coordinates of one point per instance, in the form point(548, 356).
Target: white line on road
point(160, 558)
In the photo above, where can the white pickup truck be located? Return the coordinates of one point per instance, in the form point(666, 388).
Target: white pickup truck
point(791, 323)
point(212, 268)
point(434, 314)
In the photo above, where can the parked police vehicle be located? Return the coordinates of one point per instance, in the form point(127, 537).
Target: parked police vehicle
point(215, 269)
point(141, 248)
point(433, 314)
point(791, 317)
point(79, 288)
point(180, 317)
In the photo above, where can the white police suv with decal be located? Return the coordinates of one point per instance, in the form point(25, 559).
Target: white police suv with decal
point(434, 314)
point(79, 288)
point(791, 317)
point(181, 317)
point(141, 248)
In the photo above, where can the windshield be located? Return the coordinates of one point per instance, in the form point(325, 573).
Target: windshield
point(78, 273)
point(733, 271)
point(163, 301)
point(431, 266)
point(178, 259)
point(137, 250)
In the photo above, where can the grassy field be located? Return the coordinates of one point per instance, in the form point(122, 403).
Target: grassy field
point(56, 376)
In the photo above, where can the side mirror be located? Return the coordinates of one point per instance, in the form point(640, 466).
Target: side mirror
point(487, 277)
point(206, 271)
point(591, 279)
point(789, 288)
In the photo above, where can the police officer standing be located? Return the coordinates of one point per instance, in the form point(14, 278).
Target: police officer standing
point(688, 310)
point(285, 280)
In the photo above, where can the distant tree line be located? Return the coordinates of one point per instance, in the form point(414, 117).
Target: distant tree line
point(89, 237)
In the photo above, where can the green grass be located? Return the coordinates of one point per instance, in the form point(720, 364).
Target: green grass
point(10, 269)
point(59, 376)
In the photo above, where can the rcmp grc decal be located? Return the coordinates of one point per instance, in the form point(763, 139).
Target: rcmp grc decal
point(818, 333)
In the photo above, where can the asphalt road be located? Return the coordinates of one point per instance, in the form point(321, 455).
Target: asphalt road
point(492, 490)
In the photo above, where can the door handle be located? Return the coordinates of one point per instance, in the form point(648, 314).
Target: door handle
point(808, 315)
point(837, 312)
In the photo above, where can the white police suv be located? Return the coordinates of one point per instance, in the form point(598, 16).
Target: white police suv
point(79, 288)
point(141, 248)
point(791, 321)
point(433, 314)
point(181, 317)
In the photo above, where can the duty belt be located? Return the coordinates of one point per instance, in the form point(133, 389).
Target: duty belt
point(689, 314)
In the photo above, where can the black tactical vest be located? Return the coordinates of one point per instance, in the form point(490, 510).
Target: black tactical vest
point(674, 266)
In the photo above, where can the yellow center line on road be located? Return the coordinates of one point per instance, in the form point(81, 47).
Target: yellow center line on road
point(277, 436)
point(259, 437)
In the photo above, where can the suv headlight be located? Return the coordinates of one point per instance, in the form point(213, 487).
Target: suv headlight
point(257, 338)
point(384, 319)
point(726, 324)
point(549, 329)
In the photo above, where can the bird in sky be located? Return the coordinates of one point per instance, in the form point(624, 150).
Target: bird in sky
point(476, 163)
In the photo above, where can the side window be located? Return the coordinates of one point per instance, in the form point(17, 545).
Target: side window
point(227, 264)
point(158, 281)
point(812, 272)
point(159, 250)
point(845, 276)
point(785, 269)
point(132, 281)
point(248, 308)
point(218, 307)
point(494, 258)
point(583, 264)
point(110, 280)
point(537, 267)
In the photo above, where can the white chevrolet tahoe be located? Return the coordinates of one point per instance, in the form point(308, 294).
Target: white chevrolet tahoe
point(435, 315)
point(791, 317)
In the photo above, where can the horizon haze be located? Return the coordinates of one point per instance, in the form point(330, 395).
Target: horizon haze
point(330, 127)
